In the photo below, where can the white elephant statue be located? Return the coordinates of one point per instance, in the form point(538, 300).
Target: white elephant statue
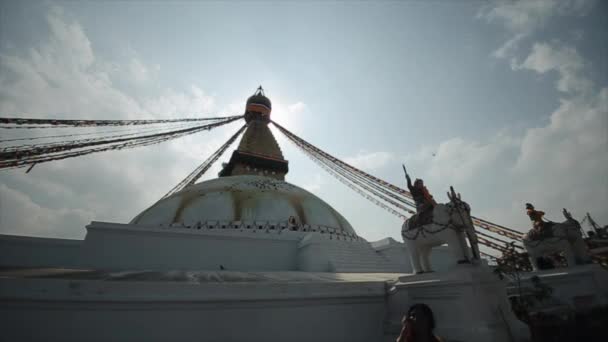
point(450, 223)
point(563, 237)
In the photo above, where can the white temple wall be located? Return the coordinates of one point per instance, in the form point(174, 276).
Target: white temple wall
point(136, 247)
point(131, 247)
point(581, 287)
point(317, 253)
point(24, 251)
point(397, 253)
point(139, 247)
point(293, 321)
point(91, 310)
point(469, 304)
point(312, 256)
point(441, 259)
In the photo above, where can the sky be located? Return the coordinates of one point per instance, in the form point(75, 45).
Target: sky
point(506, 101)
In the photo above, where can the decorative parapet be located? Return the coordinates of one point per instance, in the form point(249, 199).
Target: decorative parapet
point(332, 233)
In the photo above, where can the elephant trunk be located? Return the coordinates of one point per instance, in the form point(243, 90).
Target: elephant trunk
point(474, 243)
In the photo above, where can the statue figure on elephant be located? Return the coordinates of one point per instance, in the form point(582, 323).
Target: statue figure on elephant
point(423, 199)
point(549, 237)
point(438, 224)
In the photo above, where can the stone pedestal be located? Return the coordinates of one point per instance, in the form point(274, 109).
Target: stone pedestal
point(580, 288)
point(469, 302)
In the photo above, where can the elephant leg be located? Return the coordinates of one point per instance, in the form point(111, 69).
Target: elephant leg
point(580, 251)
point(534, 262)
point(533, 257)
point(424, 255)
point(470, 233)
point(412, 247)
point(569, 255)
point(453, 240)
point(465, 249)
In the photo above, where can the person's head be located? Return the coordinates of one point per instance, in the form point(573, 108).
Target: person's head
point(529, 206)
point(418, 183)
point(420, 316)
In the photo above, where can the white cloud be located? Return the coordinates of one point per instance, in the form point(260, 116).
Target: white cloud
point(288, 115)
point(60, 77)
point(562, 164)
point(296, 108)
point(577, 132)
point(509, 47)
point(63, 77)
point(139, 72)
point(565, 60)
point(22, 216)
point(314, 184)
point(529, 15)
point(520, 16)
point(523, 18)
point(181, 104)
point(461, 161)
point(71, 37)
point(370, 161)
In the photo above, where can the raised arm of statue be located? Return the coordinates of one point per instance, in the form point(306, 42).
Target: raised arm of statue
point(407, 177)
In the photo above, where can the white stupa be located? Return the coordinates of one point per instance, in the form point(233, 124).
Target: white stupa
point(247, 219)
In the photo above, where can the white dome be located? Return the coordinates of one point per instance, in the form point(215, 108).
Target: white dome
point(243, 198)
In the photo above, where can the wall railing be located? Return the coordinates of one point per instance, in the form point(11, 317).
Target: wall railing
point(267, 227)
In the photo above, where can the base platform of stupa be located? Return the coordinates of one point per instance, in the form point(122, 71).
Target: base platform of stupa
point(469, 303)
point(576, 288)
point(74, 305)
point(88, 305)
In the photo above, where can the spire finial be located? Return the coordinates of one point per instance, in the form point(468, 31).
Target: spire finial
point(260, 91)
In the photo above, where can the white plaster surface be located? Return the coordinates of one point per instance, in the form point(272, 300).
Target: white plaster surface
point(25, 251)
point(397, 253)
point(260, 248)
point(76, 305)
point(317, 253)
point(136, 247)
point(129, 247)
point(580, 287)
point(469, 302)
point(243, 198)
point(295, 306)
